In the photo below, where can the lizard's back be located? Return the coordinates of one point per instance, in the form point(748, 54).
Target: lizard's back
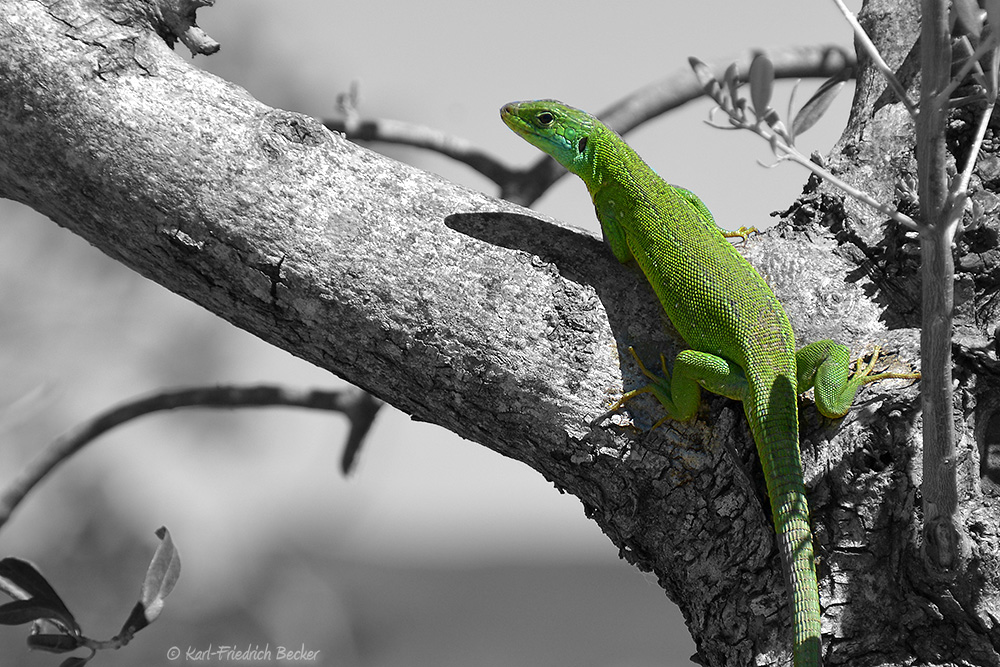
point(714, 298)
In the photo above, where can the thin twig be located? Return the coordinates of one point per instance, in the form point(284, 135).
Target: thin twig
point(790, 153)
point(359, 406)
point(677, 89)
point(876, 57)
point(962, 185)
point(784, 151)
point(525, 186)
point(860, 195)
point(420, 136)
point(943, 98)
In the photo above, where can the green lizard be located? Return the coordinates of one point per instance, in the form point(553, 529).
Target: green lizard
point(742, 345)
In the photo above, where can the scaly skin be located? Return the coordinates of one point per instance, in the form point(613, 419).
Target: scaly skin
point(742, 345)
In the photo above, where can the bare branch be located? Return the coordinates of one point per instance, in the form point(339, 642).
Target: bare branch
point(524, 186)
point(672, 92)
point(790, 153)
point(877, 59)
point(176, 20)
point(420, 136)
point(359, 406)
point(769, 126)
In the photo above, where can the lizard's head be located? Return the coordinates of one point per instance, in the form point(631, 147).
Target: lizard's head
point(560, 130)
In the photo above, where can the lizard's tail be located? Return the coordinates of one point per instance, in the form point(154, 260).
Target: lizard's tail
point(773, 418)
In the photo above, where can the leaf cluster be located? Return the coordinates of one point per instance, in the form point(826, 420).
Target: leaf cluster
point(54, 629)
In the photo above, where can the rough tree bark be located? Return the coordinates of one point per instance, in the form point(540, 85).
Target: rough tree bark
point(504, 326)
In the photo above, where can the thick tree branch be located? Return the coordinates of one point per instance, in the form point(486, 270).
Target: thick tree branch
point(422, 291)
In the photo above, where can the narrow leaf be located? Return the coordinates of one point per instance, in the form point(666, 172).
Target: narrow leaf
point(994, 73)
point(733, 84)
point(163, 570)
point(739, 112)
point(42, 596)
point(772, 118)
point(967, 17)
point(161, 576)
point(26, 577)
point(819, 103)
point(992, 13)
point(791, 102)
point(53, 643)
point(136, 621)
point(75, 661)
point(707, 81)
point(780, 130)
point(773, 140)
point(20, 612)
point(761, 84)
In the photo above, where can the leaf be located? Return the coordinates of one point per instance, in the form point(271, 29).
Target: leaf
point(791, 100)
point(733, 84)
point(772, 118)
point(707, 81)
point(26, 577)
point(161, 576)
point(773, 140)
point(992, 13)
point(163, 571)
point(819, 103)
point(779, 129)
point(42, 601)
point(75, 661)
point(739, 112)
point(53, 643)
point(761, 84)
point(20, 612)
point(966, 14)
point(992, 75)
point(136, 621)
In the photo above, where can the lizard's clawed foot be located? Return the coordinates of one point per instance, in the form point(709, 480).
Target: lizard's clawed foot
point(656, 381)
point(863, 372)
point(743, 233)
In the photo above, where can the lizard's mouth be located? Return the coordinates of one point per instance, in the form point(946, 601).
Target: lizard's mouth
point(508, 116)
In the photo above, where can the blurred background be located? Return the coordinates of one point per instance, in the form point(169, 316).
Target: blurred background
point(435, 551)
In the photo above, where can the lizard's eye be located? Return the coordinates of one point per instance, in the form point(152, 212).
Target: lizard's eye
point(581, 145)
point(545, 118)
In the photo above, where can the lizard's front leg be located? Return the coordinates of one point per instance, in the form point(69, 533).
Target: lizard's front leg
point(680, 392)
